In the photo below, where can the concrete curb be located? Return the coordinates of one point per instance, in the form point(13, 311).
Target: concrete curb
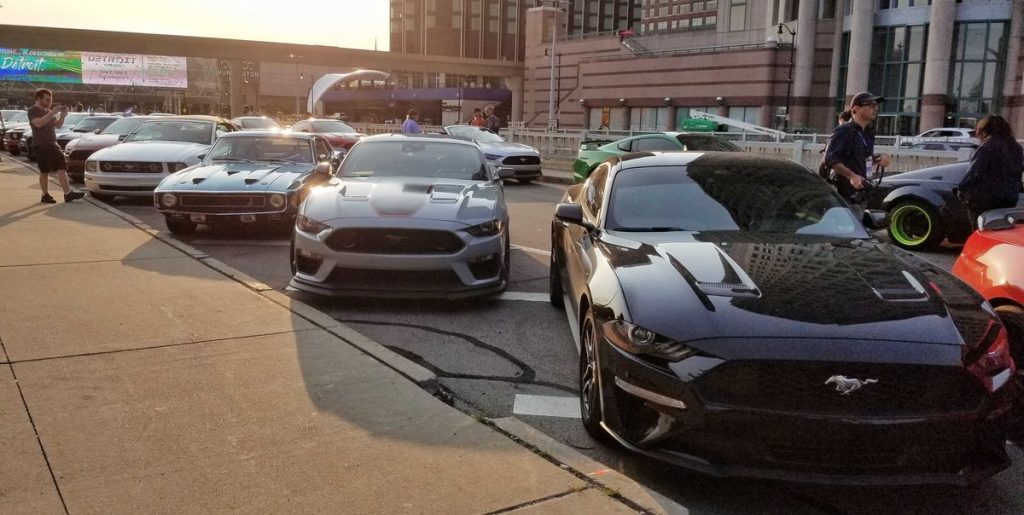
point(612, 481)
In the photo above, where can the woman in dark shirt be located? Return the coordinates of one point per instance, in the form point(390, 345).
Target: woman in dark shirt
point(994, 179)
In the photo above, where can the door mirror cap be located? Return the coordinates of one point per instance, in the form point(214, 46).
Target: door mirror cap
point(571, 213)
point(122, 137)
point(201, 157)
point(323, 168)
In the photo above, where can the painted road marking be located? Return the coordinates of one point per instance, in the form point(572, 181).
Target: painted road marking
point(529, 250)
point(522, 295)
point(249, 243)
point(546, 406)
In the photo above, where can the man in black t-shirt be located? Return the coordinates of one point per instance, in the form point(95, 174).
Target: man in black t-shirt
point(851, 151)
point(46, 118)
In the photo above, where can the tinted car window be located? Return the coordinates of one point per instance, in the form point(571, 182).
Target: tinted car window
point(626, 146)
point(332, 127)
point(17, 118)
point(323, 149)
point(474, 133)
point(189, 131)
point(258, 123)
point(415, 159)
point(91, 124)
point(707, 144)
point(727, 198)
point(652, 144)
point(301, 127)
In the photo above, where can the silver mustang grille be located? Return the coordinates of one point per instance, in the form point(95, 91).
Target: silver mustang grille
point(394, 241)
point(521, 160)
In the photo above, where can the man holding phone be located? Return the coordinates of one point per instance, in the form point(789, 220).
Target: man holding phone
point(45, 118)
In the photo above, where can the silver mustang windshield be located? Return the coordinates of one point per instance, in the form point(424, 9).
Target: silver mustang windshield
point(262, 148)
point(436, 159)
point(725, 198)
point(474, 133)
point(189, 131)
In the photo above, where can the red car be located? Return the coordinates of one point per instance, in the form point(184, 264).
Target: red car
point(339, 134)
point(992, 262)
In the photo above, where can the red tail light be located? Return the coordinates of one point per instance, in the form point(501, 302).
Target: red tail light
point(995, 366)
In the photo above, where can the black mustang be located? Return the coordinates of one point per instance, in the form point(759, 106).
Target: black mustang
point(247, 177)
point(735, 318)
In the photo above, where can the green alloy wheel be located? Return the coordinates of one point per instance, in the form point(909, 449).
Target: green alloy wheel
point(914, 225)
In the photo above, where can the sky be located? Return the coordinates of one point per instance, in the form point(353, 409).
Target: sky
point(338, 23)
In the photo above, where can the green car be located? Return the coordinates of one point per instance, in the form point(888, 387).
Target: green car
point(594, 152)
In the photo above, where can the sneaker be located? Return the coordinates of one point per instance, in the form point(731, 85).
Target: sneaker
point(73, 195)
point(47, 199)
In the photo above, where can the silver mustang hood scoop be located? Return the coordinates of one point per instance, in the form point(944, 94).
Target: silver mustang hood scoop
point(402, 197)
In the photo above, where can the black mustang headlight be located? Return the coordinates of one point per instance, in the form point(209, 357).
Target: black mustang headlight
point(635, 339)
point(487, 228)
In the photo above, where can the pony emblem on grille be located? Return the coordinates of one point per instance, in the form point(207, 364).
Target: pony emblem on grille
point(847, 385)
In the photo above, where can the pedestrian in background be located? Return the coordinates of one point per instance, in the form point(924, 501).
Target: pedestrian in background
point(478, 120)
point(411, 126)
point(46, 118)
point(851, 151)
point(993, 180)
point(492, 124)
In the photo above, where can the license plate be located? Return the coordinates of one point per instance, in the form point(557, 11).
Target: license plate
point(248, 218)
point(198, 218)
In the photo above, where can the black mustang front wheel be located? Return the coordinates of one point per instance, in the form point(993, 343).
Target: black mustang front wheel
point(180, 226)
point(590, 391)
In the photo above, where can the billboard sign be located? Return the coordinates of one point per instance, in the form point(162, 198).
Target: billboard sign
point(66, 66)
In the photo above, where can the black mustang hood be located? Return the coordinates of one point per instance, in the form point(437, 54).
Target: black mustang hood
point(237, 177)
point(687, 289)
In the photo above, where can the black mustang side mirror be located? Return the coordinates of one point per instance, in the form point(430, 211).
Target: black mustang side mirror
point(573, 214)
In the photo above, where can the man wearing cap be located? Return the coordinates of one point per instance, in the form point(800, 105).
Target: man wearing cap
point(851, 150)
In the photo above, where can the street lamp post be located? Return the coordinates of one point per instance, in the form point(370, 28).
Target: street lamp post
point(552, 118)
point(789, 83)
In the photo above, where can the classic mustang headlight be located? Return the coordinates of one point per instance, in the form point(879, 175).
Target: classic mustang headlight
point(92, 166)
point(639, 340)
point(169, 199)
point(487, 228)
point(306, 224)
point(277, 201)
point(493, 157)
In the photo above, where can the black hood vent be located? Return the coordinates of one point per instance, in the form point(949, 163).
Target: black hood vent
point(197, 180)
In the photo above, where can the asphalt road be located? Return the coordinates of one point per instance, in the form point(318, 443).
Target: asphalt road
point(515, 356)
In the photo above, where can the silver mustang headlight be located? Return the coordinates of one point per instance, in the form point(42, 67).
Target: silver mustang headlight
point(493, 157)
point(277, 201)
point(92, 166)
point(635, 339)
point(306, 224)
point(169, 199)
point(487, 228)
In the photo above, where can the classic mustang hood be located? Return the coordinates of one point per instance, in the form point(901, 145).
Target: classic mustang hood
point(439, 199)
point(158, 151)
point(798, 289)
point(236, 177)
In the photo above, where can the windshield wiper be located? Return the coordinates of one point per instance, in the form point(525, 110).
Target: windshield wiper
point(231, 159)
point(649, 229)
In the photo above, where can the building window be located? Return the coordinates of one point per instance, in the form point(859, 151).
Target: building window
point(978, 71)
point(738, 15)
point(897, 73)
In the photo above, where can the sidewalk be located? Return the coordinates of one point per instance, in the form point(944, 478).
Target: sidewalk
point(138, 375)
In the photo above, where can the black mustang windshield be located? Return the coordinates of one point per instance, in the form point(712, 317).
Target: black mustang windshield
point(262, 148)
point(718, 197)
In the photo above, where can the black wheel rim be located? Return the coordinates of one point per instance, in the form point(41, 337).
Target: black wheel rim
point(588, 370)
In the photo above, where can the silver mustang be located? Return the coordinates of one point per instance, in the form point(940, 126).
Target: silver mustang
point(407, 216)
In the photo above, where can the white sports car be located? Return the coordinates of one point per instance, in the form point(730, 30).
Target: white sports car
point(154, 150)
point(523, 159)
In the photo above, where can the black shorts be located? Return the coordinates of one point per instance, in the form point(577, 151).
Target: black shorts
point(50, 158)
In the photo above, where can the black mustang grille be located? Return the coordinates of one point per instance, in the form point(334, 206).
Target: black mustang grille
point(401, 280)
point(394, 241)
point(212, 203)
point(521, 160)
point(131, 167)
point(800, 388)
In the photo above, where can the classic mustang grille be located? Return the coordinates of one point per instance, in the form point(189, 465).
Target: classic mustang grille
point(394, 241)
point(521, 160)
point(213, 203)
point(131, 167)
point(900, 390)
point(401, 280)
